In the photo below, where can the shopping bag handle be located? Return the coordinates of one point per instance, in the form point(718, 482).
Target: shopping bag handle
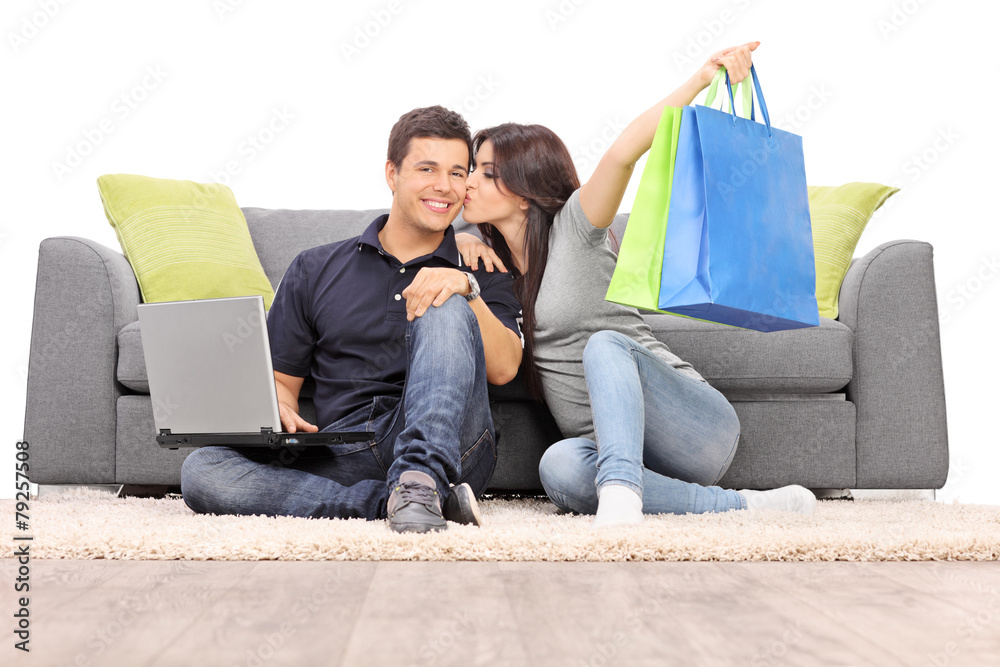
point(745, 90)
point(760, 98)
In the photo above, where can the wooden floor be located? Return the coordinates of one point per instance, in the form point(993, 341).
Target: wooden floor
point(560, 614)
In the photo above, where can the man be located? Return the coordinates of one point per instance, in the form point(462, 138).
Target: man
point(401, 340)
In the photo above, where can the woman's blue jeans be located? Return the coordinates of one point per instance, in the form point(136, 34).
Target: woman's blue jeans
point(441, 426)
point(667, 436)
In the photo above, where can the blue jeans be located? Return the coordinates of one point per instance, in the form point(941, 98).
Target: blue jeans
point(665, 435)
point(440, 426)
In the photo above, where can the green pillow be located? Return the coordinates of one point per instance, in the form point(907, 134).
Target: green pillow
point(185, 240)
point(839, 215)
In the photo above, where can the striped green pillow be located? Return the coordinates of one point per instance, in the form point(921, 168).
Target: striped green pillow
point(184, 240)
point(839, 215)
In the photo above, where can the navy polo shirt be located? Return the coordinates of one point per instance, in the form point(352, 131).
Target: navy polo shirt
point(339, 315)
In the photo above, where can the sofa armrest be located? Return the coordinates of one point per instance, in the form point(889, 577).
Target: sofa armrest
point(889, 301)
point(84, 294)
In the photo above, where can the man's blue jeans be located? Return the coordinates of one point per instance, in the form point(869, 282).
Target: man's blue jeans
point(667, 436)
point(441, 426)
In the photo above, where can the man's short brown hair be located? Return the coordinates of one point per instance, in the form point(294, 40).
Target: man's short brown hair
point(435, 121)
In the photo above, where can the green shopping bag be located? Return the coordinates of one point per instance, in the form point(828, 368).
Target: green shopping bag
point(636, 280)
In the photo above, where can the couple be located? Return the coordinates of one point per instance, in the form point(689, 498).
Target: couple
point(646, 433)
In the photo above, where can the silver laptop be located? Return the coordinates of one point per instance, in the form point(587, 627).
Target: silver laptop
point(210, 376)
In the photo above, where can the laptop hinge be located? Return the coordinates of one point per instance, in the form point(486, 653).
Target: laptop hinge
point(266, 430)
point(164, 431)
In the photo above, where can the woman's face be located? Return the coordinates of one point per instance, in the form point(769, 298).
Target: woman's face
point(485, 200)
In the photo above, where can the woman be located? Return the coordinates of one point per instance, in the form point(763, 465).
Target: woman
point(645, 432)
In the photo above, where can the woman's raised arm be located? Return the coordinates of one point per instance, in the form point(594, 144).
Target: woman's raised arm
point(602, 194)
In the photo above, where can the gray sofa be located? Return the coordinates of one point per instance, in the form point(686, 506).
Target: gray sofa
point(856, 403)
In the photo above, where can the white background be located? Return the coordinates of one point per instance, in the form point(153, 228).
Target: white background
point(873, 86)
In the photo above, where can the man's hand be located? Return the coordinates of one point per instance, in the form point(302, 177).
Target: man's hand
point(292, 422)
point(432, 287)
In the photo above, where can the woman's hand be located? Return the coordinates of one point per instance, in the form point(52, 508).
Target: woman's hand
point(602, 194)
point(472, 250)
point(736, 59)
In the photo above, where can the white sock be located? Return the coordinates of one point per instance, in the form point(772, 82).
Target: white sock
point(618, 505)
point(793, 498)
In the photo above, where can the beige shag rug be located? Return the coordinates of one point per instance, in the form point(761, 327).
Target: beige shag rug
point(87, 524)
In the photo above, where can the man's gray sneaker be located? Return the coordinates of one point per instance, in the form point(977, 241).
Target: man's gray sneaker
point(414, 505)
point(461, 506)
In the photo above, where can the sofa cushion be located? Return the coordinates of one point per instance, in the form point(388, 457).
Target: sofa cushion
point(131, 370)
point(799, 361)
point(184, 240)
point(839, 215)
point(810, 360)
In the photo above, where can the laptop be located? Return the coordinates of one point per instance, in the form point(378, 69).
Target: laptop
point(211, 380)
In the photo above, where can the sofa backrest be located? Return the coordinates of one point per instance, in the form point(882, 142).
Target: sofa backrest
point(281, 234)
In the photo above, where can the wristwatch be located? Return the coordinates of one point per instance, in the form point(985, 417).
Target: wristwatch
point(473, 288)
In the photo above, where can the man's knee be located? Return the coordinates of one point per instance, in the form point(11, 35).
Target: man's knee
point(197, 485)
point(454, 313)
point(192, 474)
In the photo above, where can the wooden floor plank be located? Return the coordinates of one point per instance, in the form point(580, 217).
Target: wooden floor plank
point(735, 613)
point(161, 613)
point(278, 613)
point(972, 589)
point(59, 583)
point(583, 613)
point(910, 624)
point(427, 613)
point(125, 618)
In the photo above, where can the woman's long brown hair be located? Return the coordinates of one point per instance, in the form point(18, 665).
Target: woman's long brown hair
point(529, 161)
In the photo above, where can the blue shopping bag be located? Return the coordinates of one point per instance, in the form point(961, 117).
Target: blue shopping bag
point(738, 246)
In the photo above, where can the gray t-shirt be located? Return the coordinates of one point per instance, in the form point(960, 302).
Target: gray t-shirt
point(571, 307)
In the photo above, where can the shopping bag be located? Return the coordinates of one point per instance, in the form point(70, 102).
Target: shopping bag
point(636, 279)
point(738, 246)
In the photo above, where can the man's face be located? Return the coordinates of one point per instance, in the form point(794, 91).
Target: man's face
point(429, 186)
